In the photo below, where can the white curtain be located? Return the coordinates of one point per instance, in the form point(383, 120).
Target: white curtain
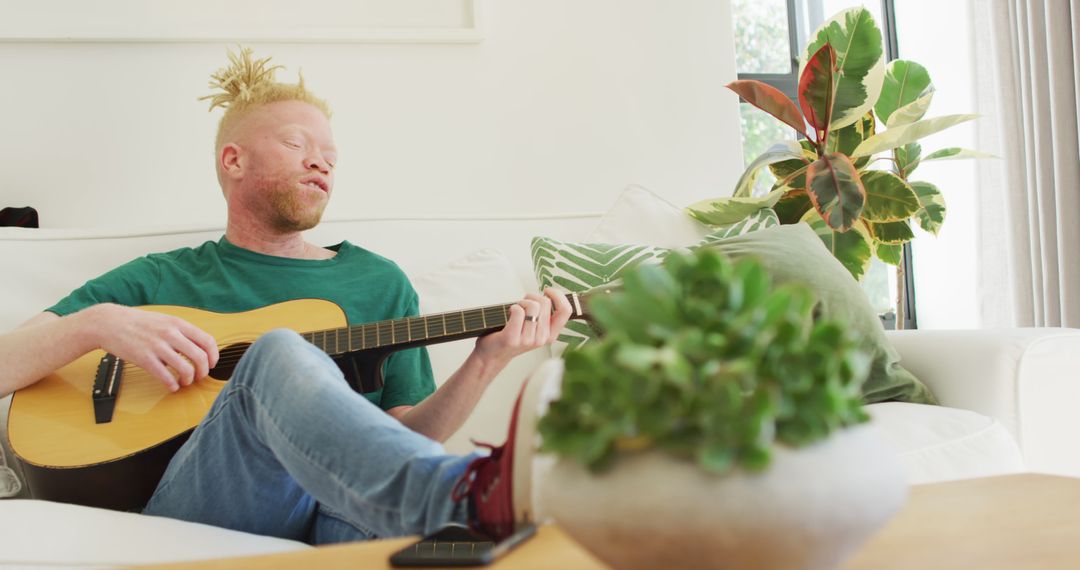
point(1028, 59)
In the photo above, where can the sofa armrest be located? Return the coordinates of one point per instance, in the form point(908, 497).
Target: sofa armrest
point(1027, 379)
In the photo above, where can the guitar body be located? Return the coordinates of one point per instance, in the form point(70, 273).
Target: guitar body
point(69, 457)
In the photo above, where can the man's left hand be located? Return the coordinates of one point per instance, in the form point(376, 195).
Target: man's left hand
point(532, 324)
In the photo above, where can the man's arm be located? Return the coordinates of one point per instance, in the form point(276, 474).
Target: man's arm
point(442, 413)
point(173, 350)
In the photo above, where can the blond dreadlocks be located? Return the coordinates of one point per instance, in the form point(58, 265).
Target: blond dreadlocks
point(247, 83)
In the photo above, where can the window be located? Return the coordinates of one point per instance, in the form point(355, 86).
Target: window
point(769, 35)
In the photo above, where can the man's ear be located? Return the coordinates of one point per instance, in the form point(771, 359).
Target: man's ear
point(231, 160)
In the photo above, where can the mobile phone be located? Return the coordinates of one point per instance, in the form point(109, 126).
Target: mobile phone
point(456, 545)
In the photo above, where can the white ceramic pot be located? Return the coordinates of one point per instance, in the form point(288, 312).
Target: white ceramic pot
point(809, 510)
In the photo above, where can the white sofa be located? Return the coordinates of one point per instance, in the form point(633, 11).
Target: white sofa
point(1006, 394)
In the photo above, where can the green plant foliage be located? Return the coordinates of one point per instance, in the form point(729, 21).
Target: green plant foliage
point(853, 249)
point(732, 210)
point(836, 190)
point(860, 63)
point(888, 197)
point(816, 89)
point(889, 253)
point(905, 81)
point(844, 89)
point(904, 134)
point(932, 212)
point(705, 360)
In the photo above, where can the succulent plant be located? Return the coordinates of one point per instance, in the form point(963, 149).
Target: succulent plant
point(702, 358)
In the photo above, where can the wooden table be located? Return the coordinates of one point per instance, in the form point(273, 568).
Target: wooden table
point(1029, 522)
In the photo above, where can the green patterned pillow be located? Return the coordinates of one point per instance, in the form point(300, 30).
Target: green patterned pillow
point(577, 267)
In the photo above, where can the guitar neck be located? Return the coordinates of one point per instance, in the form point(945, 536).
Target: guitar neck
point(397, 334)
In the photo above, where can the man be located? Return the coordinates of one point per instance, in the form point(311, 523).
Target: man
point(288, 449)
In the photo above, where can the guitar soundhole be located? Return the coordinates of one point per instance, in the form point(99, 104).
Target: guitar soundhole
point(228, 358)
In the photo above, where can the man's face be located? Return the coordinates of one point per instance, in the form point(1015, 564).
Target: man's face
point(288, 158)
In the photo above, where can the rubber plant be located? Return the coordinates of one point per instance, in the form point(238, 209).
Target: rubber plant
point(705, 360)
point(832, 178)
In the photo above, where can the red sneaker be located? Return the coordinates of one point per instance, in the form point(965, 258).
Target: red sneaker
point(499, 486)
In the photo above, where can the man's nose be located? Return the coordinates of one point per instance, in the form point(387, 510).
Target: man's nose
point(316, 163)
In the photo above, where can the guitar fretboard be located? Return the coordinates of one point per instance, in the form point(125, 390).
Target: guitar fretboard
point(423, 329)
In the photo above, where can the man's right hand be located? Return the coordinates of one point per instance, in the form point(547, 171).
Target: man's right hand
point(169, 348)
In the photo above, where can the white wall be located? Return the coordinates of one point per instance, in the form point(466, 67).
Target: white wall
point(562, 105)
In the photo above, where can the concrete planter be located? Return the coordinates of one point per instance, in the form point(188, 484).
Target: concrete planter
point(809, 510)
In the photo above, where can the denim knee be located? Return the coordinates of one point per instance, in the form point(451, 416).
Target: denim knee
point(283, 354)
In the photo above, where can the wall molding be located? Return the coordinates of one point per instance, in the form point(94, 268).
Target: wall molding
point(214, 21)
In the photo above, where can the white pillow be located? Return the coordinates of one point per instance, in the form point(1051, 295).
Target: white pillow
point(639, 216)
point(480, 279)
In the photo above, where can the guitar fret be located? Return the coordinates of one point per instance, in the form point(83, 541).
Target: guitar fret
point(436, 326)
point(417, 328)
point(401, 331)
point(385, 334)
point(494, 320)
point(483, 318)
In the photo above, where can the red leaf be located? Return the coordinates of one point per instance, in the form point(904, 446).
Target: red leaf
point(816, 86)
point(771, 100)
point(836, 190)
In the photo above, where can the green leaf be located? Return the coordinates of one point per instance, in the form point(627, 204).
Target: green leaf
point(912, 111)
point(904, 134)
point(954, 153)
point(907, 157)
point(905, 81)
point(792, 173)
point(888, 197)
point(771, 100)
point(779, 152)
point(851, 248)
point(845, 140)
point(860, 63)
point(792, 206)
point(932, 214)
point(816, 85)
point(891, 233)
point(889, 253)
point(724, 211)
point(836, 191)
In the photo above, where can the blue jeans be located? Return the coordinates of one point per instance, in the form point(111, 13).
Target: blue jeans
point(289, 450)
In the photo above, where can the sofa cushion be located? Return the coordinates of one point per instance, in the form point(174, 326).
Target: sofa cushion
point(640, 216)
point(483, 278)
point(85, 536)
point(937, 443)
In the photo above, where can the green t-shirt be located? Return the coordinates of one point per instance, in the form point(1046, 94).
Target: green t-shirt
point(221, 277)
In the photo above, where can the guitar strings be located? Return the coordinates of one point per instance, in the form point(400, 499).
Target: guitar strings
point(231, 355)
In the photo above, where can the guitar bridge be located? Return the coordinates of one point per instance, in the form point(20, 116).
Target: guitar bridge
point(106, 387)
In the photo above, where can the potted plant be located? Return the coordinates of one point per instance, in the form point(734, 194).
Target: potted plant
point(833, 178)
point(715, 424)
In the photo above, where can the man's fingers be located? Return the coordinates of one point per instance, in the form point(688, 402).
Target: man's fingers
point(184, 370)
point(203, 339)
point(196, 355)
point(563, 309)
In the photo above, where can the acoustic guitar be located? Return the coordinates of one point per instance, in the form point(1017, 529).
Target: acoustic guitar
point(100, 431)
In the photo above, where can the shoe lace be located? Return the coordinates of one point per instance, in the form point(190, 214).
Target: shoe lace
point(476, 476)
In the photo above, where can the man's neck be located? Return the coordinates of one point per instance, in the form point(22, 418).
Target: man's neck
point(280, 244)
